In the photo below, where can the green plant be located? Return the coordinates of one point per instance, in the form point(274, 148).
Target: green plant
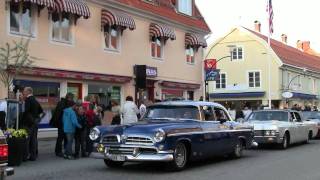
point(13, 59)
point(12, 133)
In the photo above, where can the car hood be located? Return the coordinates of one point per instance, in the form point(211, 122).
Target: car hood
point(148, 127)
point(267, 125)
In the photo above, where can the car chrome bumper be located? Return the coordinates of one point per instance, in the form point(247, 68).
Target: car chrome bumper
point(8, 171)
point(268, 139)
point(140, 157)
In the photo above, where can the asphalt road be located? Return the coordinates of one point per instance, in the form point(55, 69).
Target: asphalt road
point(299, 162)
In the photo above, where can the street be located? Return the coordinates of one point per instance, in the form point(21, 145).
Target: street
point(300, 162)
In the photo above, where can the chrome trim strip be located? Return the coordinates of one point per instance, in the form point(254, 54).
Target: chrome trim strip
point(205, 132)
point(146, 157)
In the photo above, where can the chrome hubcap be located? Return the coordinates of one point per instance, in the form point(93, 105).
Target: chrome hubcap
point(285, 142)
point(238, 150)
point(180, 155)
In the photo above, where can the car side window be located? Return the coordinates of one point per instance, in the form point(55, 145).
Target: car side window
point(292, 117)
point(221, 115)
point(208, 113)
point(298, 117)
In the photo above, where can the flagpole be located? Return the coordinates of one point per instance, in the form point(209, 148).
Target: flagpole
point(269, 58)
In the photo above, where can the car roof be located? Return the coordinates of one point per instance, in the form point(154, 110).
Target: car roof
point(278, 110)
point(189, 103)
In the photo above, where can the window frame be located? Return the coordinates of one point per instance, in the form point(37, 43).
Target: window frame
point(119, 39)
point(187, 50)
point(254, 77)
point(71, 34)
point(221, 73)
point(33, 24)
point(162, 45)
point(237, 54)
point(184, 12)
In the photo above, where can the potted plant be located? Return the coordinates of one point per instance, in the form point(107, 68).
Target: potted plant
point(17, 144)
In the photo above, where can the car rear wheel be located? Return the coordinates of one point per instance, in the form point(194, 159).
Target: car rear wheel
point(180, 158)
point(238, 150)
point(113, 164)
point(285, 142)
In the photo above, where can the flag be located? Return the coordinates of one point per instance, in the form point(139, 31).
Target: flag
point(270, 13)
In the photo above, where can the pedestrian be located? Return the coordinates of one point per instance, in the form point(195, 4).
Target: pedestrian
point(143, 108)
point(115, 108)
point(239, 115)
point(3, 113)
point(56, 121)
point(315, 108)
point(129, 111)
point(80, 135)
point(31, 118)
point(70, 122)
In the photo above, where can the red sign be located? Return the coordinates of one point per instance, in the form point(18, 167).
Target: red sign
point(210, 64)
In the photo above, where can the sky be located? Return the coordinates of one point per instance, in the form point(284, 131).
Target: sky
point(298, 19)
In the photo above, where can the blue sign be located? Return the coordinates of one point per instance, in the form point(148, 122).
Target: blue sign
point(211, 74)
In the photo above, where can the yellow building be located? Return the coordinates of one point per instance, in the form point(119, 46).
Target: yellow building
point(92, 46)
point(243, 79)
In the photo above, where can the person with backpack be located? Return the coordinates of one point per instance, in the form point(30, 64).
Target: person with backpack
point(56, 121)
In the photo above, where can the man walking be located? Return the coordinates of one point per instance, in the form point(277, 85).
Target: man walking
point(31, 119)
point(56, 121)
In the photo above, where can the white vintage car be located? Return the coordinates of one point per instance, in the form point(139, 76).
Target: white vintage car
point(281, 127)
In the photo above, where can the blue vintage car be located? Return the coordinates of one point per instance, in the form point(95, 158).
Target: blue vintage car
point(174, 132)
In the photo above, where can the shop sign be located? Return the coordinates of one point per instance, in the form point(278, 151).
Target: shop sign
point(210, 69)
point(151, 72)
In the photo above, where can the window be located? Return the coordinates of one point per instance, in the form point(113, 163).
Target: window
point(112, 38)
point(237, 53)
point(22, 18)
point(254, 79)
point(185, 7)
point(157, 48)
point(221, 81)
point(190, 55)
point(61, 27)
point(221, 115)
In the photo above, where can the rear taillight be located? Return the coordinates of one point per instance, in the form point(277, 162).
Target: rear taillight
point(3, 151)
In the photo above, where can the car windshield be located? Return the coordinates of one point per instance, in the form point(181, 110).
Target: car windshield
point(172, 112)
point(268, 116)
point(311, 114)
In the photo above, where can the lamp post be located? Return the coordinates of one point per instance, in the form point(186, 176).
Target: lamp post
point(206, 84)
point(288, 86)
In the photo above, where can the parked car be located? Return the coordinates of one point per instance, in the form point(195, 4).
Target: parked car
point(174, 132)
point(282, 127)
point(313, 116)
point(4, 169)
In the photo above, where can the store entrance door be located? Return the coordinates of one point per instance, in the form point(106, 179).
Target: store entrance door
point(75, 89)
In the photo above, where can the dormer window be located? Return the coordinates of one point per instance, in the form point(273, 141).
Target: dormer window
point(185, 7)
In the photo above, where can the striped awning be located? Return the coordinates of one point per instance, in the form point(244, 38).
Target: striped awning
point(195, 40)
point(161, 31)
point(76, 7)
point(117, 18)
point(45, 3)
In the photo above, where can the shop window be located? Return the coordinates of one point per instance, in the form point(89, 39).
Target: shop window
point(190, 55)
point(112, 37)
point(157, 48)
point(221, 81)
point(237, 53)
point(185, 7)
point(22, 18)
point(62, 27)
point(254, 79)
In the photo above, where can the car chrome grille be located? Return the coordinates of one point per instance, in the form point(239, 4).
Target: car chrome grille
point(110, 140)
point(121, 150)
point(259, 133)
point(138, 140)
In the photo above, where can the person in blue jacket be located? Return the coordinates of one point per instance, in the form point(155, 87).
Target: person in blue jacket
point(70, 123)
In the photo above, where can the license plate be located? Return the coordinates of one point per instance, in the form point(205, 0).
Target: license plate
point(117, 158)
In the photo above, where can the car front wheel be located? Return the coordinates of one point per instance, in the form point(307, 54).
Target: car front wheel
point(113, 164)
point(285, 142)
point(238, 150)
point(180, 158)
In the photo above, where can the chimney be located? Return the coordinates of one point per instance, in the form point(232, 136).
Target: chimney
point(257, 26)
point(284, 38)
point(299, 45)
point(305, 45)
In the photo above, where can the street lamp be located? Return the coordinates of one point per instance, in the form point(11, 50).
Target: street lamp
point(231, 48)
point(288, 87)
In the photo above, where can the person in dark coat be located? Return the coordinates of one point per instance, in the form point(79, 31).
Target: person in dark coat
point(31, 118)
point(80, 135)
point(56, 121)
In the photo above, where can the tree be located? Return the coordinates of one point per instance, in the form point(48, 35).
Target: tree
point(13, 59)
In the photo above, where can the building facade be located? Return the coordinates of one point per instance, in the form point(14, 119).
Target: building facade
point(244, 78)
point(90, 47)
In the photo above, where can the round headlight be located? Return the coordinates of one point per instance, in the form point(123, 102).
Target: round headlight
point(94, 134)
point(267, 133)
point(159, 136)
point(273, 133)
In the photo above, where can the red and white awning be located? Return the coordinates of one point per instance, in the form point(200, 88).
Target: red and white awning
point(45, 3)
point(161, 31)
point(76, 7)
point(117, 18)
point(195, 40)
